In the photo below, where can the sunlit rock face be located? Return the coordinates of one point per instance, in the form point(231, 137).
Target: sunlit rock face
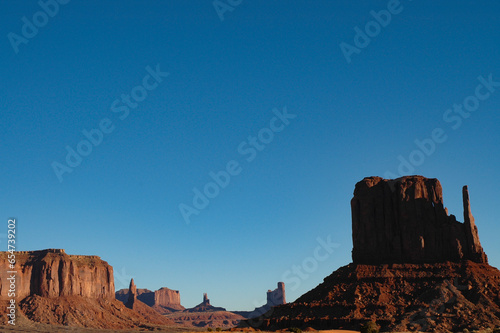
point(53, 273)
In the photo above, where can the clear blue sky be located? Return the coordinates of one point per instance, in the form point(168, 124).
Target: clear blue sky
point(225, 78)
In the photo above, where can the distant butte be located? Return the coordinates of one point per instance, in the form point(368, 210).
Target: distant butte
point(205, 306)
point(206, 315)
point(163, 300)
point(274, 297)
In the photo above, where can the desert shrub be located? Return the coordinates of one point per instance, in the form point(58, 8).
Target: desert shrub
point(210, 329)
point(369, 327)
point(295, 330)
point(218, 329)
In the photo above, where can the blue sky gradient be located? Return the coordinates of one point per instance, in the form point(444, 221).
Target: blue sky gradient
point(225, 79)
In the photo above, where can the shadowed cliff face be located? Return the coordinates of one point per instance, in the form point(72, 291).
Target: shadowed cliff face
point(53, 273)
point(415, 268)
point(404, 221)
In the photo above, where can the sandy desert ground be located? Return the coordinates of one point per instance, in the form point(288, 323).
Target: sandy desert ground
point(63, 329)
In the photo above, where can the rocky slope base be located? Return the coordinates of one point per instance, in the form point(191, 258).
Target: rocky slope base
point(78, 311)
point(400, 297)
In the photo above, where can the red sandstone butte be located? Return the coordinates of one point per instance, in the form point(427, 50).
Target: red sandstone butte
point(54, 288)
point(404, 221)
point(415, 268)
point(53, 273)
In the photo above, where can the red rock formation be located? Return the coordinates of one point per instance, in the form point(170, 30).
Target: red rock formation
point(415, 268)
point(141, 308)
point(206, 315)
point(166, 301)
point(167, 297)
point(474, 245)
point(163, 300)
point(122, 295)
point(78, 311)
point(404, 221)
point(399, 297)
point(132, 295)
point(59, 289)
point(53, 273)
point(205, 306)
point(276, 296)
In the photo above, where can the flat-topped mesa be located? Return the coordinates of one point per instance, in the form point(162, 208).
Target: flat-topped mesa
point(167, 297)
point(42, 251)
point(404, 221)
point(53, 273)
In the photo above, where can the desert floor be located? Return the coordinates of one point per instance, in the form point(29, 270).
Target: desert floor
point(52, 329)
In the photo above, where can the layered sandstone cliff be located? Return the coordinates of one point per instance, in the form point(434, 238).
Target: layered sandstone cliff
point(415, 268)
point(168, 298)
point(54, 288)
point(404, 221)
point(53, 273)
